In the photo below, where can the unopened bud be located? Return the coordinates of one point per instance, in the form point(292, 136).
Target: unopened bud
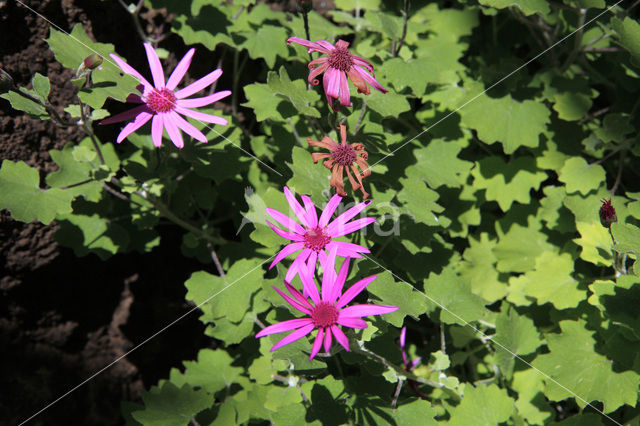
point(607, 213)
point(305, 6)
point(6, 82)
point(92, 62)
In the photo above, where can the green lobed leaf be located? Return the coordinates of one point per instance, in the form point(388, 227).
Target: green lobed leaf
point(20, 193)
point(518, 334)
point(580, 176)
point(628, 31)
point(511, 122)
point(397, 293)
point(438, 164)
point(267, 43)
point(212, 371)
point(529, 7)
point(41, 87)
point(170, 405)
point(551, 281)
point(227, 297)
point(70, 50)
point(518, 249)
point(295, 91)
point(508, 182)
point(574, 362)
point(309, 178)
point(452, 297)
point(482, 405)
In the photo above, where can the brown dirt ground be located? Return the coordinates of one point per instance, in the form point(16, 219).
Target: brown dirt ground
point(64, 318)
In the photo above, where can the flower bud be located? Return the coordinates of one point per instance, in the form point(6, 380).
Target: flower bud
point(92, 61)
point(305, 6)
point(6, 82)
point(607, 213)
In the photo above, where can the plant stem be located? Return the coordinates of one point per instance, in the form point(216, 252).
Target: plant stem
point(215, 259)
point(48, 107)
point(405, 18)
point(361, 116)
point(295, 132)
point(582, 14)
point(134, 17)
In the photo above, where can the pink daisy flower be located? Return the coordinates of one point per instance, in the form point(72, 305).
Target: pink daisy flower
point(163, 105)
point(312, 236)
point(325, 311)
point(337, 66)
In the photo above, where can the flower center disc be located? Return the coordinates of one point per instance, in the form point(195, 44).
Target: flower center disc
point(161, 100)
point(316, 239)
point(341, 59)
point(324, 315)
point(344, 155)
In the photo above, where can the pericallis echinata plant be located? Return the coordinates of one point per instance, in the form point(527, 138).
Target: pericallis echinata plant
point(419, 212)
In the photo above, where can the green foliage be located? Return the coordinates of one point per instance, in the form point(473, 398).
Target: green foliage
point(486, 186)
point(70, 50)
point(20, 193)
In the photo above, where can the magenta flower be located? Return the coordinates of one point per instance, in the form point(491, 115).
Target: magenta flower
point(337, 66)
point(165, 105)
point(325, 311)
point(315, 236)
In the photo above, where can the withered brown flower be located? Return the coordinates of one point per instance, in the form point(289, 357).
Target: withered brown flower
point(343, 157)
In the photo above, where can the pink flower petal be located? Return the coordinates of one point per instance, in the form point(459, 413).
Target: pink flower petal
point(348, 249)
point(345, 95)
point(312, 215)
point(296, 207)
point(403, 335)
point(369, 79)
point(285, 234)
point(316, 72)
point(173, 131)
point(156, 68)
point(290, 248)
point(204, 101)
point(316, 344)
point(346, 216)
point(329, 275)
point(297, 265)
point(331, 82)
point(198, 85)
point(157, 126)
point(350, 227)
point(357, 311)
point(362, 62)
point(187, 127)
point(126, 115)
point(340, 337)
point(140, 120)
point(309, 286)
point(296, 294)
point(353, 291)
point(283, 326)
point(293, 302)
point(357, 323)
point(298, 334)
point(181, 70)
point(327, 340)
point(326, 45)
point(328, 211)
point(286, 221)
point(128, 69)
point(201, 116)
point(310, 45)
point(340, 280)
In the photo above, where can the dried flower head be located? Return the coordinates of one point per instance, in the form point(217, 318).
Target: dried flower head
point(607, 213)
point(337, 66)
point(343, 157)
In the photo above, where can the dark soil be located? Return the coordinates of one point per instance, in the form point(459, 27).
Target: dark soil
point(63, 318)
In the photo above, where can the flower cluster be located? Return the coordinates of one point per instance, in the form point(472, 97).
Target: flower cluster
point(313, 237)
